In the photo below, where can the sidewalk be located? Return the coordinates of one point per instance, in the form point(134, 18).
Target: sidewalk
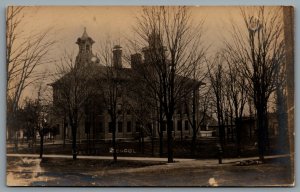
point(25, 144)
point(205, 161)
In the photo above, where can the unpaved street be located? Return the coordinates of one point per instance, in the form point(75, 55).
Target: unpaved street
point(30, 171)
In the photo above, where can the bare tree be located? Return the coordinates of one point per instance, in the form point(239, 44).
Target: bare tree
point(41, 112)
point(171, 46)
point(71, 91)
point(196, 107)
point(35, 118)
point(31, 116)
point(216, 77)
point(113, 83)
point(237, 95)
point(143, 107)
point(281, 106)
point(258, 48)
point(143, 73)
point(24, 53)
point(198, 113)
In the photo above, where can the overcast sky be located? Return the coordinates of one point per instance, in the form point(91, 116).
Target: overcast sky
point(67, 24)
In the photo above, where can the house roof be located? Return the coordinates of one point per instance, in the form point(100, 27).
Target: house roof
point(98, 72)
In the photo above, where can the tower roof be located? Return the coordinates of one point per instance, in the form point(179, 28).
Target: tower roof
point(85, 37)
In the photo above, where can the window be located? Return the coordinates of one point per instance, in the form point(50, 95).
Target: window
point(149, 127)
point(137, 127)
point(100, 127)
point(186, 109)
point(179, 111)
point(56, 130)
point(129, 126)
point(164, 126)
point(119, 92)
point(120, 127)
point(119, 107)
point(179, 125)
point(110, 127)
point(186, 125)
point(87, 126)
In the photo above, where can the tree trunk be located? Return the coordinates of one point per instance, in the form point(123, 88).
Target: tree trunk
point(64, 133)
point(221, 132)
point(193, 147)
point(161, 142)
point(262, 128)
point(152, 145)
point(220, 121)
point(74, 125)
point(282, 123)
point(15, 131)
point(170, 139)
point(261, 142)
point(10, 128)
point(232, 128)
point(140, 141)
point(238, 136)
point(74, 147)
point(16, 141)
point(160, 132)
point(143, 143)
point(42, 143)
point(87, 145)
point(194, 138)
point(181, 135)
point(114, 140)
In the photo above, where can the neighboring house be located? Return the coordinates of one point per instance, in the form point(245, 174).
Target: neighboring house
point(273, 124)
point(273, 129)
point(248, 128)
point(132, 122)
point(209, 126)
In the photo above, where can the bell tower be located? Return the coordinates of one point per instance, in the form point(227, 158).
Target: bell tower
point(85, 54)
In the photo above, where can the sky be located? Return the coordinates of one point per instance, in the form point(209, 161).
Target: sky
point(68, 22)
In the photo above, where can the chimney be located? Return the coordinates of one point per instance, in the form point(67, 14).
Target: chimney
point(117, 56)
point(136, 60)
